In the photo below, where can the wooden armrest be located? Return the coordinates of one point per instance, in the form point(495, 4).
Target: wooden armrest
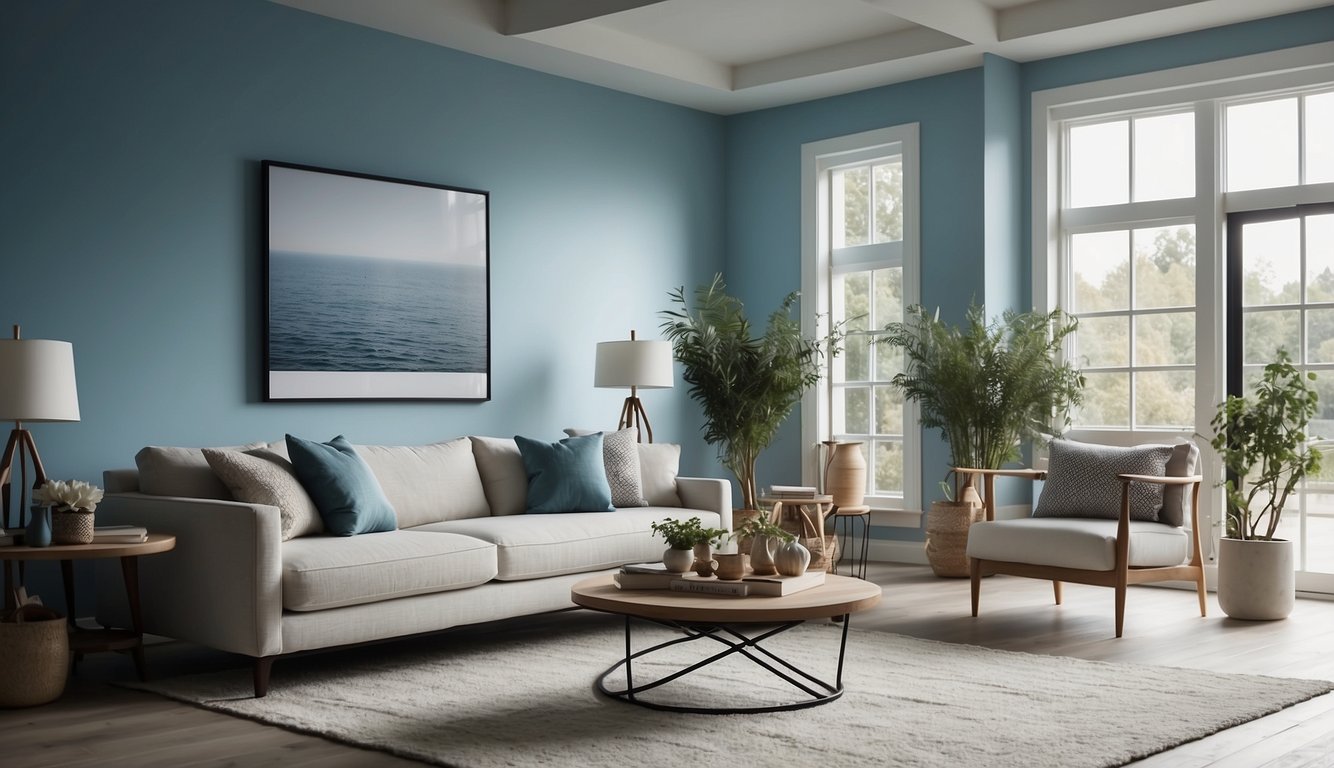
point(1185, 480)
point(1035, 474)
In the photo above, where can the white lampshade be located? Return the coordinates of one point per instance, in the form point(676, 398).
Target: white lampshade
point(646, 364)
point(37, 381)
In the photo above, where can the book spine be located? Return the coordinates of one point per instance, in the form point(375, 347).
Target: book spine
point(731, 589)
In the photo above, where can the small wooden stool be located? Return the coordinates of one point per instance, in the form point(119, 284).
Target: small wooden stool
point(847, 517)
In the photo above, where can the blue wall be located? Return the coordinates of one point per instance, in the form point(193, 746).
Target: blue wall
point(130, 220)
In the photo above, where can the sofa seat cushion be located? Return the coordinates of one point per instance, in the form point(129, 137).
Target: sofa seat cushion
point(329, 571)
point(536, 546)
point(1082, 543)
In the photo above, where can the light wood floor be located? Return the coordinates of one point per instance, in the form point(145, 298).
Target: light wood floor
point(97, 724)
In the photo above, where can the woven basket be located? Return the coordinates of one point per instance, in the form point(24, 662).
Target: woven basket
point(800, 522)
point(34, 657)
point(71, 527)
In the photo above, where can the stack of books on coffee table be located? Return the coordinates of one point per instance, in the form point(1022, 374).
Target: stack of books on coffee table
point(656, 576)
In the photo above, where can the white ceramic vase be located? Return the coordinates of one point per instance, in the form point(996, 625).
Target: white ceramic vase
point(678, 560)
point(762, 556)
point(1256, 580)
point(792, 558)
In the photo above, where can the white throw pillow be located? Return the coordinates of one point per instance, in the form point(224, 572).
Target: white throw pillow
point(503, 477)
point(261, 476)
point(659, 464)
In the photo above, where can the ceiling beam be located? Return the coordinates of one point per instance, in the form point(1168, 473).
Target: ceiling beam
point(1045, 16)
point(969, 20)
point(895, 46)
point(525, 16)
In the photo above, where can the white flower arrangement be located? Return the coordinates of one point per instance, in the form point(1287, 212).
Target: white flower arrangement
point(74, 494)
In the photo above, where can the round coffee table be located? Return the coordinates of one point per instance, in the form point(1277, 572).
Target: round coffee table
point(720, 619)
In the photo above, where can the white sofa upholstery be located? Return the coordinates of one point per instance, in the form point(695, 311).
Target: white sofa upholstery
point(231, 583)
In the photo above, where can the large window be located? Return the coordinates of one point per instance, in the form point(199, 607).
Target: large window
point(861, 271)
point(1135, 182)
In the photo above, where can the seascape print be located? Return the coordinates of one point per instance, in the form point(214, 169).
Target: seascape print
point(377, 289)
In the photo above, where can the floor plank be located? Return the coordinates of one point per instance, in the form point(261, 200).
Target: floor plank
point(98, 724)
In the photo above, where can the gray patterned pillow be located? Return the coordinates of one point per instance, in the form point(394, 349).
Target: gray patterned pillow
point(261, 476)
point(1081, 480)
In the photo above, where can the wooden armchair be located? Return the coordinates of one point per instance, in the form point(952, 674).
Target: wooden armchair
point(1090, 545)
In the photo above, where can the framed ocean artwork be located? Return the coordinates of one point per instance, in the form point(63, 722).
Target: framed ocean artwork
point(375, 288)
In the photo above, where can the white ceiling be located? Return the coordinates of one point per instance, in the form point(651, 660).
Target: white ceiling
point(730, 56)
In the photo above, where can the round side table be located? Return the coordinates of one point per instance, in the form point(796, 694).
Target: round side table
point(81, 640)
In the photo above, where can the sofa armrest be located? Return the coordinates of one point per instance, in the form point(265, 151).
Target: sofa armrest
point(711, 494)
point(222, 584)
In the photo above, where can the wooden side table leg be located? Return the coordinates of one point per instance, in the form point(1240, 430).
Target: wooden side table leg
point(129, 568)
point(67, 577)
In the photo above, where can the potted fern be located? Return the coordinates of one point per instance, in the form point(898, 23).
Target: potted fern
point(988, 386)
point(1262, 441)
point(747, 385)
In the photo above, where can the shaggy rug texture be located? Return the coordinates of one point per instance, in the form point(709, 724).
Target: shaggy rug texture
point(524, 698)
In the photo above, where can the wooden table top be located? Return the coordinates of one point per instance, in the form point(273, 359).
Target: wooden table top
point(839, 595)
point(157, 542)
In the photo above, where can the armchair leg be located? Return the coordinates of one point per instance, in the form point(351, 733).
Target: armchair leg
point(1056, 590)
point(1202, 592)
point(1120, 608)
point(975, 574)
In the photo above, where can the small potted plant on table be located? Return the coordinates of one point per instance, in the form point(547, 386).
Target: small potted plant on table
point(687, 541)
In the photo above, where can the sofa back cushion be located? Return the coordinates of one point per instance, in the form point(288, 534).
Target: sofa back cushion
point(503, 477)
point(429, 483)
point(174, 471)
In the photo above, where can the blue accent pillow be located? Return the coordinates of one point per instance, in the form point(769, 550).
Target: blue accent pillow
point(342, 485)
point(566, 476)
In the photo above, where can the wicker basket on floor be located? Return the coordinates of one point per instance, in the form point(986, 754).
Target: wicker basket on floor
point(34, 657)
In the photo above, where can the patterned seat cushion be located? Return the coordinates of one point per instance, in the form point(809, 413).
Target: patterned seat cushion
point(1082, 482)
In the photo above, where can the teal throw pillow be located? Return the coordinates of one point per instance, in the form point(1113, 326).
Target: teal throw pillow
point(566, 476)
point(341, 484)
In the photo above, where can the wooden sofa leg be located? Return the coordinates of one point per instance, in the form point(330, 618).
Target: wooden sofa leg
point(975, 575)
point(1056, 590)
point(263, 666)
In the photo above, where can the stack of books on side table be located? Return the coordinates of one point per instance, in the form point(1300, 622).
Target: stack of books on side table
point(792, 492)
point(120, 534)
point(656, 576)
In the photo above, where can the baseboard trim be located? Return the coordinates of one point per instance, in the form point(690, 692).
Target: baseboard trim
point(887, 551)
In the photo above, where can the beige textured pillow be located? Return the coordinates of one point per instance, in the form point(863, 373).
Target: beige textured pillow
point(503, 477)
point(263, 477)
point(659, 464)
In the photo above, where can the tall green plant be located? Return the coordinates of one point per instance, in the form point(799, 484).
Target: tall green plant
point(746, 385)
point(987, 386)
point(1262, 439)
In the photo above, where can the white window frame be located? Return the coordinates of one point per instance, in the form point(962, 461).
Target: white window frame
point(1208, 88)
point(818, 262)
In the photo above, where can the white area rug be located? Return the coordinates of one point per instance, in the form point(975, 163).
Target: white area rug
point(520, 698)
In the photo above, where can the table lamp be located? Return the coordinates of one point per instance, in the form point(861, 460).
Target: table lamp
point(634, 364)
point(36, 384)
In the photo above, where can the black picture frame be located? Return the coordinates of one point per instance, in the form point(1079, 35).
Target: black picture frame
point(375, 288)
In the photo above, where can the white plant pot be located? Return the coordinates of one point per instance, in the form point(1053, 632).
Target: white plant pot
point(678, 560)
point(1256, 580)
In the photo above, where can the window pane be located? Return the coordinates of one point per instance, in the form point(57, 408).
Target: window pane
point(1320, 258)
point(1165, 157)
point(857, 357)
point(1320, 138)
point(889, 202)
point(1103, 342)
point(1165, 339)
point(1264, 332)
point(856, 411)
point(851, 208)
point(1271, 262)
point(1101, 265)
point(888, 411)
point(1262, 145)
point(1323, 424)
point(1106, 401)
point(856, 301)
point(888, 468)
point(1100, 164)
point(888, 296)
point(1320, 337)
point(1165, 399)
point(888, 361)
point(1165, 267)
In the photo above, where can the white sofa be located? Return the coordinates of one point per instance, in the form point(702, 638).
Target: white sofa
point(463, 553)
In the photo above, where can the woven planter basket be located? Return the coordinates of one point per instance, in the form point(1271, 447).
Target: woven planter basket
point(71, 527)
point(34, 657)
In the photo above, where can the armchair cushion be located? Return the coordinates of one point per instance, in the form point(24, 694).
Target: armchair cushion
point(1185, 461)
point(1082, 480)
point(1083, 544)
